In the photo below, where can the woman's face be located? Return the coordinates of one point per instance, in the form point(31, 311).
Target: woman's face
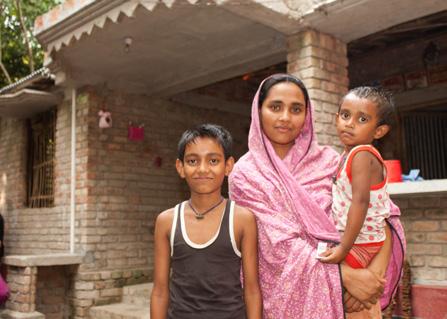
point(282, 116)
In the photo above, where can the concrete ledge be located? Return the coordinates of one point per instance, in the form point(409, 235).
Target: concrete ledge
point(428, 187)
point(9, 314)
point(43, 260)
point(427, 301)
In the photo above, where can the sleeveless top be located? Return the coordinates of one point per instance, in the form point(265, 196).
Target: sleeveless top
point(379, 208)
point(205, 278)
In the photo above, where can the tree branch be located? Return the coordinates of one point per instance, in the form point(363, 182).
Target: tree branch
point(25, 35)
point(2, 66)
point(5, 72)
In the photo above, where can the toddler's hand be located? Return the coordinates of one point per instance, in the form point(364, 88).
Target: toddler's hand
point(333, 255)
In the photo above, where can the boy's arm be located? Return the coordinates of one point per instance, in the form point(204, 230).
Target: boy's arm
point(361, 181)
point(249, 250)
point(162, 259)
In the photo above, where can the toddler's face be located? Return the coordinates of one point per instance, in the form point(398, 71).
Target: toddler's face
point(357, 122)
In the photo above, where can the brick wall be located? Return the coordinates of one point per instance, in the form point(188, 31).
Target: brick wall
point(21, 281)
point(27, 231)
point(12, 165)
point(425, 222)
point(37, 230)
point(320, 61)
point(52, 287)
point(379, 64)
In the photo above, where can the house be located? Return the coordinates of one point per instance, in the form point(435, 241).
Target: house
point(80, 201)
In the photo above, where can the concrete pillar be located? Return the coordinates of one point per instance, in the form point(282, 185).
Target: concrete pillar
point(321, 62)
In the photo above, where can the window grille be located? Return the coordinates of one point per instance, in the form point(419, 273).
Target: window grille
point(41, 160)
point(425, 136)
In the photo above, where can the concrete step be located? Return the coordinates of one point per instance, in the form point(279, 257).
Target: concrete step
point(137, 294)
point(10, 314)
point(119, 311)
point(134, 304)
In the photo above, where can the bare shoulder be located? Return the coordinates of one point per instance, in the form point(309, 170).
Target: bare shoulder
point(363, 155)
point(366, 158)
point(243, 215)
point(165, 218)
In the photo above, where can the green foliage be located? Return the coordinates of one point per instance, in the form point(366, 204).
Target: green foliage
point(13, 46)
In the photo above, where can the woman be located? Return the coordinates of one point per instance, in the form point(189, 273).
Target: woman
point(285, 179)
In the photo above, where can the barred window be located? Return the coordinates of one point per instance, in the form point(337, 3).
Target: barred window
point(41, 151)
point(425, 140)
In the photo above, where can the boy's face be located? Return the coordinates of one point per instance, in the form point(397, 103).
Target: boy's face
point(204, 167)
point(357, 122)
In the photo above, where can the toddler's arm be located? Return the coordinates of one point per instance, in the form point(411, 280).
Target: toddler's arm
point(361, 180)
point(162, 260)
point(249, 250)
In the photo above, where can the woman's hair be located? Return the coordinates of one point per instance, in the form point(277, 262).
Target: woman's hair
point(279, 78)
point(213, 131)
point(382, 98)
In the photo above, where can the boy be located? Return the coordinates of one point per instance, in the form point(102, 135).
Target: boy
point(202, 241)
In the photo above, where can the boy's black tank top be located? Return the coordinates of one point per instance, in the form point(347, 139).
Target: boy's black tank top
point(205, 279)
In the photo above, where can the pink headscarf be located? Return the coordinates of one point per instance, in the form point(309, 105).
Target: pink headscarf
point(291, 199)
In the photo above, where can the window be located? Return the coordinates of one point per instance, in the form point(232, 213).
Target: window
point(425, 140)
point(41, 160)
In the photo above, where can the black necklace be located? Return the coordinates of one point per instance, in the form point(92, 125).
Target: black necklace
point(201, 215)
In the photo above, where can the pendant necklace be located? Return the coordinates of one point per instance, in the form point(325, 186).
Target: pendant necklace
point(202, 215)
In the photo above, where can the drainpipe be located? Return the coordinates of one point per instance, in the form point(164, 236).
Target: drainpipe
point(73, 171)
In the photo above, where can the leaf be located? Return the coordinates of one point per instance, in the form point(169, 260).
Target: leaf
point(14, 52)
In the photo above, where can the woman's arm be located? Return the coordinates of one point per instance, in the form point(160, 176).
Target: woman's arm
point(249, 250)
point(162, 260)
point(362, 284)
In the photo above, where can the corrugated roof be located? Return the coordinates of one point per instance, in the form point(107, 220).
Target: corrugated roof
point(43, 73)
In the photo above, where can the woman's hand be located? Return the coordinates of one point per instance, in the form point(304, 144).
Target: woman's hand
point(352, 304)
point(363, 284)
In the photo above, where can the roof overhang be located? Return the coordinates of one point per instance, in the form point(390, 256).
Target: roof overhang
point(178, 45)
point(26, 103)
point(347, 20)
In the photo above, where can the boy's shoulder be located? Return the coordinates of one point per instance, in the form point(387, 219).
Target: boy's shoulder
point(166, 217)
point(243, 214)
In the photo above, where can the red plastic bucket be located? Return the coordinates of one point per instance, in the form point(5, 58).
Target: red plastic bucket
point(394, 171)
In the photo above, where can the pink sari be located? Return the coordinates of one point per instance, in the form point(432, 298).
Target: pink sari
point(291, 199)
